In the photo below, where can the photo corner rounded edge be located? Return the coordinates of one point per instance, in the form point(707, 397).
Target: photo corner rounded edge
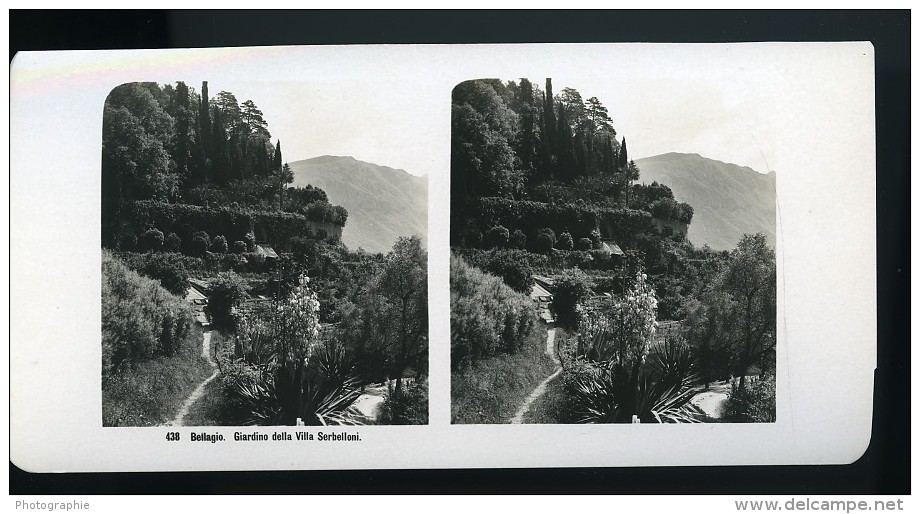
point(862, 446)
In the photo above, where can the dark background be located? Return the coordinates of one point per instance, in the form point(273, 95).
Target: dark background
point(883, 469)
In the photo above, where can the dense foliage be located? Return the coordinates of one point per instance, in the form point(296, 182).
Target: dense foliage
point(387, 324)
point(406, 406)
point(140, 319)
point(486, 316)
point(281, 372)
point(173, 145)
point(614, 373)
point(540, 184)
point(738, 314)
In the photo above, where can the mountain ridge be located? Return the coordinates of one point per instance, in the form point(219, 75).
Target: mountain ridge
point(383, 203)
point(728, 200)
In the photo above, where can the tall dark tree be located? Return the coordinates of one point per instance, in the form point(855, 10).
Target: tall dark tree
point(549, 127)
point(623, 159)
point(253, 120)
point(184, 117)
point(204, 117)
point(528, 137)
point(283, 176)
point(229, 109)
point(276, 158)
point(221, 151)
point(599, 117)
point(565, 152)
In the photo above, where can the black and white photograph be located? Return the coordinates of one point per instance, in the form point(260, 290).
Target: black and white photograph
point(249, 277)
point(591, 286)
point(413, 257)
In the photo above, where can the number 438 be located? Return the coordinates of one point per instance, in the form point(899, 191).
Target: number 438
point(172, 436)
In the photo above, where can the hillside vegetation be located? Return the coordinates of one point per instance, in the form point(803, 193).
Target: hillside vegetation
point(543, 191)
point(384, 203)
point(729, 200)
point(194, 192)
point(151, 351)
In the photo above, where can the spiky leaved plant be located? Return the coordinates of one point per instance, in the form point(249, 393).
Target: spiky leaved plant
point(616, 381)
point(294, 376)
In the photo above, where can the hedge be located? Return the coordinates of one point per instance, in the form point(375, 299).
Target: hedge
point(578, 220)
point(234, 224)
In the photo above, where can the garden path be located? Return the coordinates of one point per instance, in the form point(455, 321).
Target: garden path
point(179, 420)
point(712, 400)
point(541, 387)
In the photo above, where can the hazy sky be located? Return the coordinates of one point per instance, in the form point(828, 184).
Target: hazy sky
point(759, 105)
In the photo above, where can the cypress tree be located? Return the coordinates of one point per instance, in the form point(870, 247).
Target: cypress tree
point(221, 151)
point(527, 126)
point(565, 154)
point(549, 120)
point(204, 120)
point(276, 161)
point(182, 130)
point(623, 161)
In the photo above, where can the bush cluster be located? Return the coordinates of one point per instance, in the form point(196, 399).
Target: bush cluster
point(487, 317)
point(233, 222)
point(140, 319)
point(406, 406)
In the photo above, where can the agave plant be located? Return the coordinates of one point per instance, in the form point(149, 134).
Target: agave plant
point(285, 373)
point(617, 393)
point(620, 378)
point(320, 390)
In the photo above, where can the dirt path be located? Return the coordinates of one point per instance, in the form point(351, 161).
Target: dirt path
point(196, 394)
point(712, 400)
point(541, 388)
point(368, 404)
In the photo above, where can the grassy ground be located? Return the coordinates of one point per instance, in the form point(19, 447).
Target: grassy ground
point(151, 392)
point(549, 409)
point(209, 409)
point(491, 390)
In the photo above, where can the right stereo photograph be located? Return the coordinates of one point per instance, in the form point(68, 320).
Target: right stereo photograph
point(612, 254)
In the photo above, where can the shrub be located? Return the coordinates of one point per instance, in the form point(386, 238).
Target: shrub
point(405, 406)
point(151, 241)
point(571, 289)
point(546, 240)
point(238, 247)
point(487, 317)
point(284, 373)
point(140, 319)
point(224, 295)
point(513, 270)
point(169, 270)
point(496, 237)
point(173, 243)
point(219, 245)
point(518, 240)
point(319, 390)
point(565, 241)
point(756, 403)
point(200, 243)
point(584, 244)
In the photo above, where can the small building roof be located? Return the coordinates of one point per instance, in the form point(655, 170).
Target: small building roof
point(266, 250)
point(539, 292)
point(611, 248)
point(193, 295)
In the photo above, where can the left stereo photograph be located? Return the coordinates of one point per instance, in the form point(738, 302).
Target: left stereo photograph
point(248, 276)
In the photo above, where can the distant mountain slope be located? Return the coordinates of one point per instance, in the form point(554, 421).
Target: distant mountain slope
point(383, 203)
point(728, 200)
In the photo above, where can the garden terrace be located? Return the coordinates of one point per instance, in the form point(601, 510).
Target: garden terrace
point(234, 224)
